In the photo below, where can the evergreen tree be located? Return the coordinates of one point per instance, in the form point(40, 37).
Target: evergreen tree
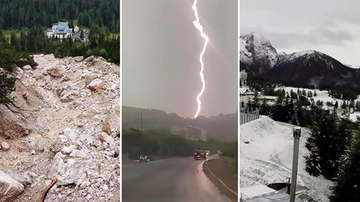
point(343, 105)
point(304, 92)
point(256, 98)
point(313, 159)
point(309, 94)
point(347, 183)
point(7, 85)
point(326, 144)
point(82, 34)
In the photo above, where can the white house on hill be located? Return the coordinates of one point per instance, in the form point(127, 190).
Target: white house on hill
point(60, 30)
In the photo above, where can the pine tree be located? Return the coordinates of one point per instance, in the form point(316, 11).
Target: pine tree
point(7, 85)
point(256, 98)
point(313, 160)
point(343, 106)
point(309, 94)
point(315, 93)
point(326, 143)
point(347, 183)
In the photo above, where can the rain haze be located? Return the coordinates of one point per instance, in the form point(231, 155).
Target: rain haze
point(332, 28)
point(160, 56)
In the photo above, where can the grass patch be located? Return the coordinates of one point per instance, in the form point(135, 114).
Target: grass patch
point(225, 170)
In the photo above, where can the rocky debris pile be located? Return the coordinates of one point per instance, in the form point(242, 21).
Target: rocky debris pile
point(87, 169)
point(74, 135)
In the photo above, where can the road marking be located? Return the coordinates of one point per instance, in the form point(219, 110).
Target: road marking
point(232, 191)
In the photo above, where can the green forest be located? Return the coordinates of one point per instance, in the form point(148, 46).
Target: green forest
point(27, 27)
point(17, 14)
point(34, 41)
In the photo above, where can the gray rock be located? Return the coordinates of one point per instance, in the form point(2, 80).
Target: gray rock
point(9, 188)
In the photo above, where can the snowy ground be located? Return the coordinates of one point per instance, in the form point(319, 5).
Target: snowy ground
point(320, 95)
point(267, 158)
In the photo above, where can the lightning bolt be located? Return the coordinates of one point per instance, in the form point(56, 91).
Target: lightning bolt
point(203, 35)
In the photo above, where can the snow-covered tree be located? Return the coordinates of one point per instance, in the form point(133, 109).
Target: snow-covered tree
point(347, 183)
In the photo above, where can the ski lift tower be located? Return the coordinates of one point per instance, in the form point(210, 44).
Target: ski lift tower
point(296, 135)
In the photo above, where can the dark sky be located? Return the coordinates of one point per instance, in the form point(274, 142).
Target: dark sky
point(160, 56)
point(332, 28)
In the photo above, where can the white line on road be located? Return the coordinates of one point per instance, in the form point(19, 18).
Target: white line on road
point(232, 191)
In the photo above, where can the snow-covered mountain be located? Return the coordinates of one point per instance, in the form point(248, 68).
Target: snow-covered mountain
point(260, 59)
point(255, 50)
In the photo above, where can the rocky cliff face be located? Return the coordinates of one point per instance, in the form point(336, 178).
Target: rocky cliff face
point(66, 126)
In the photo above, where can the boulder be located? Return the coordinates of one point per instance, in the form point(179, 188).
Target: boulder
point(5, 146)
point(57, 71)
point(27, 68)
point(10, 189)
point(96, 84)
point(111, 125)
point(103, 137)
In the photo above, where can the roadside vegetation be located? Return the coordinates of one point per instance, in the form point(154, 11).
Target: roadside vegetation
point(230, 149)
point(161, 143)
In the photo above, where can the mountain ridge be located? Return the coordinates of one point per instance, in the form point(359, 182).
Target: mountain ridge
point(310, 67)
point(222, 127)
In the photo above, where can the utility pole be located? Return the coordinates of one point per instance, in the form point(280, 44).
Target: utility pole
point(297, 135)
point(141, 122)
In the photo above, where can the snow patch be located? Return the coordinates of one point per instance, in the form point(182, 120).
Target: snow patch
point(266, 157)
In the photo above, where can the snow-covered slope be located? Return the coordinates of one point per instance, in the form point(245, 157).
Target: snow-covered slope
point(267, 158)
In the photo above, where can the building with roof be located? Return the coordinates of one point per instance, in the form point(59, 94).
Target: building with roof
point(60, 30)
point(242, 78)
point(196, 133)
point(190, 132)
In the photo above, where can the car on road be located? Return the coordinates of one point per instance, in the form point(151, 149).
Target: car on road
point(207, 152)
point(199, 154)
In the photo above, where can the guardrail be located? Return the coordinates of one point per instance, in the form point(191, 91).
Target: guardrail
point(247, 116)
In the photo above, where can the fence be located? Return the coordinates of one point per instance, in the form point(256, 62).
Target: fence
point(248, 115)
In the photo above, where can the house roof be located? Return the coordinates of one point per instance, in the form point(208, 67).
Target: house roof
point(63, 28)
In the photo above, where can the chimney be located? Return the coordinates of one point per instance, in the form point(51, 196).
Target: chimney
point(297, 135)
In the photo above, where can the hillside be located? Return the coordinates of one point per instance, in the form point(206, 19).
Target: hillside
point(66, 126)
point(263, 161)
point(222, 127)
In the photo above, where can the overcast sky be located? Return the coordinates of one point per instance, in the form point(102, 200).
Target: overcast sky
point(160, 56)
point(332, 27)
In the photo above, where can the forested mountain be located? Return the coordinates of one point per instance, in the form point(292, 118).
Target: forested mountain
point(42, 13)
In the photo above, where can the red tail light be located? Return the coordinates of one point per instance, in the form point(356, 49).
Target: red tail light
point(202, 153)
point(194, 153)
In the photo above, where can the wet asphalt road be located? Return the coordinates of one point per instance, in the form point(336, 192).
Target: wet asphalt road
point(172, 180)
